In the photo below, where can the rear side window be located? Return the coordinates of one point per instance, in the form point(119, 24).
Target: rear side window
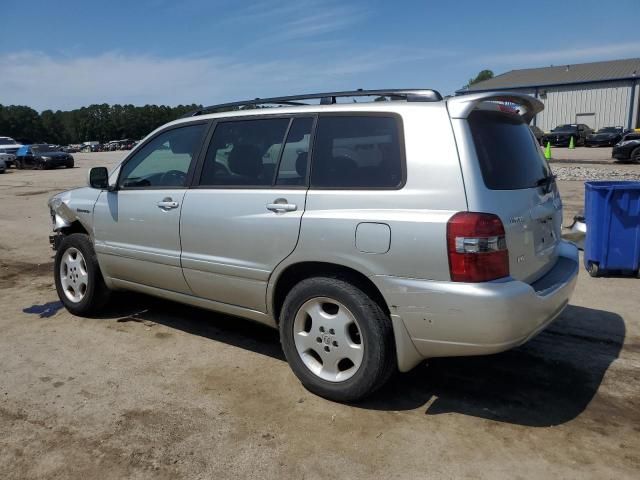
point(244, 153)
point(357, 152)
point(509, 156)
point(295, 155)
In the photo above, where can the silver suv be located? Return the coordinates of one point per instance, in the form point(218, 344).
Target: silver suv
point(372, 235)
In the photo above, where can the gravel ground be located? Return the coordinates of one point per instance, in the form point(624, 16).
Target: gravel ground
point(586, 173)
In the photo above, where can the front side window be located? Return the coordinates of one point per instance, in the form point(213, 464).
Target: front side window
point(244, 153)
point(357, 152)
point(165, 160)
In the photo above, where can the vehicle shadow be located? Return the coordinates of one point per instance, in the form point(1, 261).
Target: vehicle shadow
point(548, 381)
point(239, 332)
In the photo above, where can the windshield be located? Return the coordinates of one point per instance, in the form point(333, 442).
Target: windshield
point(565, 128)
point(41, 148)
point(509, 156)
point(609, 130)
point(7, 141)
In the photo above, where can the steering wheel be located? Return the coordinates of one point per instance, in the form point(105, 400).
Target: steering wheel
point(173, 178)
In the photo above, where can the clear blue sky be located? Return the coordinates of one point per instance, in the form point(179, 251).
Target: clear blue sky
point(68, 53)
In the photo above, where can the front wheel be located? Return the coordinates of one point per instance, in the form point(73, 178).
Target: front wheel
point(635, 155)
point(337, 339)
point(78, 278)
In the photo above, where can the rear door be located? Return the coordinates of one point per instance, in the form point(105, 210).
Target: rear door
point(242, 217)
point(506, 174)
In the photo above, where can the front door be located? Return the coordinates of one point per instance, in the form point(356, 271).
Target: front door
point(243, 216)
point(137, 226)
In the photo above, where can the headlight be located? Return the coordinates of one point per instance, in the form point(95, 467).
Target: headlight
point(55, 202)
point(46, 159)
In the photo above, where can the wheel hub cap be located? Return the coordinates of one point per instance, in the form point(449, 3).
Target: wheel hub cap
point(328, 339)
point(74, 278)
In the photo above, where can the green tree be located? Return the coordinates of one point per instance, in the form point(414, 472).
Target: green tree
point(481, 77)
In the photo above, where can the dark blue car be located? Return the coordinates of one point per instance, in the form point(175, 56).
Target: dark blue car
point(42, 156)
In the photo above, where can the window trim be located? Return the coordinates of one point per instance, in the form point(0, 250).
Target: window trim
point(192, 166)
point(401, 143)
point(195, 184)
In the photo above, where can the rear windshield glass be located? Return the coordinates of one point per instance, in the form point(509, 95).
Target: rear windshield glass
point(509, 156)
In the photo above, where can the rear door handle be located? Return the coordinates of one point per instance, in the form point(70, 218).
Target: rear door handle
point(167, 204)
point(282, 207)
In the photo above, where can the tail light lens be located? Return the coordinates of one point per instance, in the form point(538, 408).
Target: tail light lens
point(477, 247)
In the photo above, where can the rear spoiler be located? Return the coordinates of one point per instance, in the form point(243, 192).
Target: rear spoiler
point(461, 106)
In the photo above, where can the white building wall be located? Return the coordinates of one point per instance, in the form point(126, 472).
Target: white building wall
point(608, 102)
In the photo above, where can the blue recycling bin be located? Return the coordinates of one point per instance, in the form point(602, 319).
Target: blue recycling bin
point(612, 214)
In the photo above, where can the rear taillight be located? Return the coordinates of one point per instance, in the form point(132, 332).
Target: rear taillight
point(477, 247)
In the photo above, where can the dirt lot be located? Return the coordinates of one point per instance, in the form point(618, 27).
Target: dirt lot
point(155, 389)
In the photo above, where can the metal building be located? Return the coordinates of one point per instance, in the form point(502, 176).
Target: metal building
point(599, 94)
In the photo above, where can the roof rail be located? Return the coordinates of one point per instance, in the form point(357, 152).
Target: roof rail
point(328, 98)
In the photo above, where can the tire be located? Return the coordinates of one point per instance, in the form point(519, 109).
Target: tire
point(76, 264)
point(359, 320)
point(18, 164)
point(593, 269)
point(635, 155)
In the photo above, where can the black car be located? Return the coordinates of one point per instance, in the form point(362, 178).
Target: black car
point(537, 132)
point(628, 150)
point(42, 156)
point(561, 135)
point(605, 137)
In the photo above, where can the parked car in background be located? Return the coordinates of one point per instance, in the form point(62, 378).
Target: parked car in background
point(628, 149)
point(41, 156)
point(10, 146)
point(605, 137)
point(562, 134)
point(7, 159)
point(537, 132)
point(71, 149)
point(312, 219)
point(88, 147)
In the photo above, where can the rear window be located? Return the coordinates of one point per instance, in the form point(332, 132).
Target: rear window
point(509, 156)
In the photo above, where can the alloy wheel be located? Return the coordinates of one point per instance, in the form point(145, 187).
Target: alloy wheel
point(74, 277)
point(328, 339)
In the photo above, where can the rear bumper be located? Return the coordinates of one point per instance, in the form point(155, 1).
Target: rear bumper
point(453, 319)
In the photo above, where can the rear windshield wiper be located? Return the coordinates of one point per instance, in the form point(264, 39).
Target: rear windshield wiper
point(546, 182)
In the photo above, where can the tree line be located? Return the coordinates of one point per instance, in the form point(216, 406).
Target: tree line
point(96, 122)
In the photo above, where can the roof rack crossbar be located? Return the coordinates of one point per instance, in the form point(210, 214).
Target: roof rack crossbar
point(328, 98)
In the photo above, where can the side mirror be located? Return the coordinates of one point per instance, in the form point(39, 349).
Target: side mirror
point(99, 178)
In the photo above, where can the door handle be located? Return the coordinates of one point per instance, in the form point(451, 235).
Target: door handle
point(167, 204)
point(282, 207)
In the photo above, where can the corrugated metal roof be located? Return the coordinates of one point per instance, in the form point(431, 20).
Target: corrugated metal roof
point(562, 74)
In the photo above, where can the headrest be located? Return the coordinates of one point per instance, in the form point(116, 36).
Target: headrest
point(245, 160)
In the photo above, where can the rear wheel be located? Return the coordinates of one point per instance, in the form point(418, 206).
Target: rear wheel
point(337, 339)
point(635, 155)
point(78, 278)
